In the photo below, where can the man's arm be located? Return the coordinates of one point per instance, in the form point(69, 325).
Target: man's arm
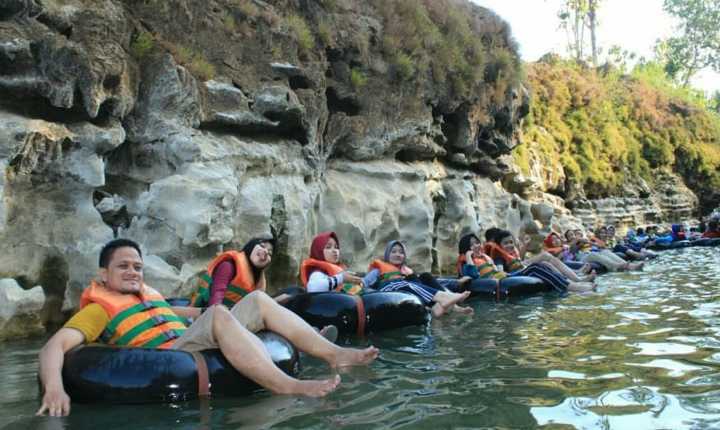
point(55, 400)
point(186, 311)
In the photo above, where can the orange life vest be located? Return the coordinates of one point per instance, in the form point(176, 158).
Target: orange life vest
point(485, 266)
point(310, 265)
point(512, 261)
point(138, 320)
point(240, 286)
point(388, 271)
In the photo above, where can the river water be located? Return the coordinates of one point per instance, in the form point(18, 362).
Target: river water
point(642, 353)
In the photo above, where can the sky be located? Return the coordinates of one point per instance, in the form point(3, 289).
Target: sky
point(634, 25)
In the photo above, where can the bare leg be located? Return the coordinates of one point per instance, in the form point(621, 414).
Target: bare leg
point(557, 264)
point(248, 355)
point(611, 263)
point(302, 335)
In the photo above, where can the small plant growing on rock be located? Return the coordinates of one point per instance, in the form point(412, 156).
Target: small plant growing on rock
point(141, 45)
point(297, 25)
point(325, 33)
point(404, 66)
point(195, 62)
point(358, 78)
point(247, 8)
point(229, 23)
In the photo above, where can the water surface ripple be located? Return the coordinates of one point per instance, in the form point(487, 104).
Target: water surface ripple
point(642, 353)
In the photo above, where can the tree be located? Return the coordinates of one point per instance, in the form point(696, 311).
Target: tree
point(592, 24)
point(714, 102)
point(698, 44)
point(622, 58)
point(575, 17)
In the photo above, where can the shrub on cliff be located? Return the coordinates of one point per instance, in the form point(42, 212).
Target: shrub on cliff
point(605, 129)
point(449, 42)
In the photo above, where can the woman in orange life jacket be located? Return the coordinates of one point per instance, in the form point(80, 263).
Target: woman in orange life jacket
point(233, 274)
point(501, 247)
point(473, 262)
point(323, 271)
point(583, 251)
point(553, 244)
point(395, 275)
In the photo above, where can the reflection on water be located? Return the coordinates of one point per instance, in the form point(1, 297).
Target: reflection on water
point(642, 353)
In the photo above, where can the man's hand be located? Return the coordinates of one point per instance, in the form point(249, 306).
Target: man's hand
point(55, 402)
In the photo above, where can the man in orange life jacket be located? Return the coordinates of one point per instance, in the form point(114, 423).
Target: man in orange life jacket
point(115, 307)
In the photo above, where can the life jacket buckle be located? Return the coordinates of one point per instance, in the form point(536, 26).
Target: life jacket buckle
point(158, 320)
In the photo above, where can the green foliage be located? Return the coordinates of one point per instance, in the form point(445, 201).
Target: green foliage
point(325, 33)
point(247, 8)
point(714, 102)
point(445, 41)
point(195, 62)
point(358, 78)
point(607, 129)
point(698, 44)
point(653, 74)
point(229, 23)
point(142, 45)
point(404, 66)
point(303, 35)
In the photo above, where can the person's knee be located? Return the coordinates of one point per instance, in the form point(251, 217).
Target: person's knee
point(258, 298)
point(221, 316)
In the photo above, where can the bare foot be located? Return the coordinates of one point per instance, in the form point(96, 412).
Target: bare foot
point(447, 299)
point(581, 287)
point(464, 281)
point(636, 266)
point(355, 357)
point(314, 388)
point(465, 310)
point(590, 277)
point(444, 301)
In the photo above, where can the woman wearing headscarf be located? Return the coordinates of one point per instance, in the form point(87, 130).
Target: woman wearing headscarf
point(323, 271)
point(504, 252)
point(395, 275)
point(234, 274)
point(473, 262)
point(583, 251)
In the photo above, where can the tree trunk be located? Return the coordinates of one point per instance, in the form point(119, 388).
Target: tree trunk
point(592, 6)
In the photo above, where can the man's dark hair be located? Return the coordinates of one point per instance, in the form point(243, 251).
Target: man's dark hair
point(491, 233)
point(500, 235)
point(109, 249)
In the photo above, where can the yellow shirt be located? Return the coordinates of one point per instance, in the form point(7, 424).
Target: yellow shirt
point(90, 321)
